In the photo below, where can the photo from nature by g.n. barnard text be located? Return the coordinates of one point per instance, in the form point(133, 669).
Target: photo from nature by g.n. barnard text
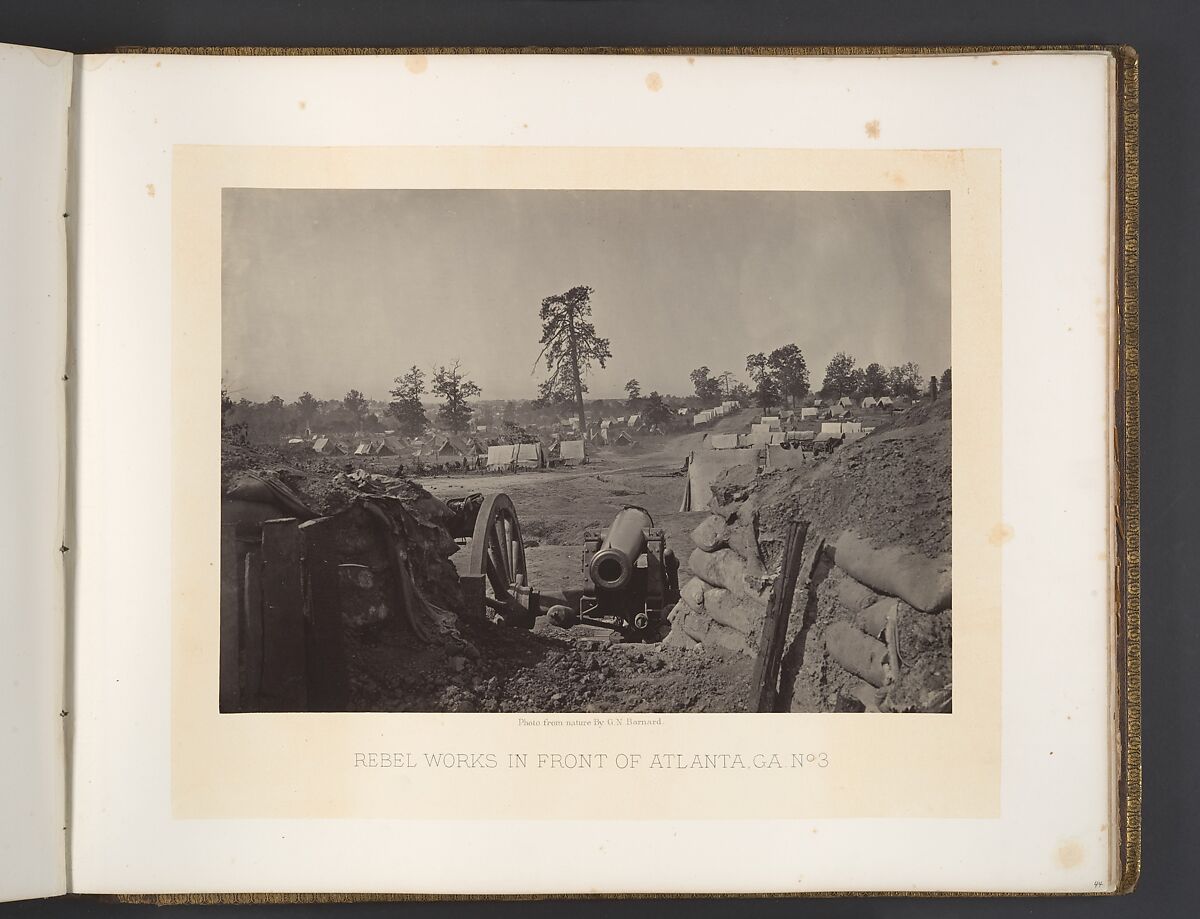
point(585, 451)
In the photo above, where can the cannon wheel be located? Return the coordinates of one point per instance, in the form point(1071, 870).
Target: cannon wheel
point(498, 557)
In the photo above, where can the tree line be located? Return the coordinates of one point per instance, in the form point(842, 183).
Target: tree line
point(571, 349)
point(781, 378)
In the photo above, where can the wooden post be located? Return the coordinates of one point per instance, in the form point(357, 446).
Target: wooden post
point(283, 662)
point(764, 679)
point(325, 656)
point(230, 650)
point(252, 630)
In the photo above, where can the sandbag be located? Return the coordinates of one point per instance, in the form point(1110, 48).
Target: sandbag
point(693, 624)
point(679, 639)
point(711, 534)
point(725, 568)
point(854, 595)
point(874, 618)
point(693, 594)
point(920, 582)
point(711, 634)
point(856, 652)
point(742, 614)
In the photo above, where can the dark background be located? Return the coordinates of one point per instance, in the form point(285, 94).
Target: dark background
point(1165, 35)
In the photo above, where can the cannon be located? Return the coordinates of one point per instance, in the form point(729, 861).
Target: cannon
point(632, 578)
point(496, 580)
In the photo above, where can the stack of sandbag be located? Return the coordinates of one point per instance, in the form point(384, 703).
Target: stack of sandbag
point(722, 606)
point(874, 636)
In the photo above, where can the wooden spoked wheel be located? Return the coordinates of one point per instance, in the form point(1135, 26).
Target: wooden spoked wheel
point(498, 555)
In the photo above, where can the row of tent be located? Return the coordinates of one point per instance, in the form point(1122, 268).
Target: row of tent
point(711, 414)
point(850, 430)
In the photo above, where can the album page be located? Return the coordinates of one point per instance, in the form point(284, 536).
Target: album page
point(35, 92)
point(631, 474)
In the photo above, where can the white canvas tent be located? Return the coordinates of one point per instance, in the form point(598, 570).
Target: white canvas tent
point(723, 441)
point(772, 422)
point(704, 468)
point(810, 412)
point(516, 456)
point(572, 452)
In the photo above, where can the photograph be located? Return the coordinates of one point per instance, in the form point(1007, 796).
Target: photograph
point(585, 450)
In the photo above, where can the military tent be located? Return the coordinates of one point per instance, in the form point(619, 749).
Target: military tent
point(808, 412)
point(623, 440)
point(573, 452)
point(845, 402)
point(772, 422)
point(870, 402)
point(885, 402)
point(327, 446)
point(723, 441)
point(703, 469)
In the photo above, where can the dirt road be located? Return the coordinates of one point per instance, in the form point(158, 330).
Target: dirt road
point(557, 506)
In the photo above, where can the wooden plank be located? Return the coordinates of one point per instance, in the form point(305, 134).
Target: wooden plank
point(764, 679)
point(229, 692)
point(252, 629)
point(284, 683)
point(325, 656)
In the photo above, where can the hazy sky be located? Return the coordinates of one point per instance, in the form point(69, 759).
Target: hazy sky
point(333, 290)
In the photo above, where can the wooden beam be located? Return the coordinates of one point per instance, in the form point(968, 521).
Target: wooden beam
point(325, 656)
point(252, 629)
point(764, 679)
point(230, 650)
point(284, 683)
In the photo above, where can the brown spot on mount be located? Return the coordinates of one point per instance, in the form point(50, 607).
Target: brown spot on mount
point(872, 129)
point(1000, 534)
point(654, 82)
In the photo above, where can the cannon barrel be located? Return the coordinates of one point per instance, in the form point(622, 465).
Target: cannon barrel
point(612, 566)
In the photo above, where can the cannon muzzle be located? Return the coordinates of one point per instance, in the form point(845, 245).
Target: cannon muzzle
point(612, 566)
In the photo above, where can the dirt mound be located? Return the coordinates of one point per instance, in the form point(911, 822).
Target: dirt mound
point(856, 642)
point(892, 487)
point(517, 671)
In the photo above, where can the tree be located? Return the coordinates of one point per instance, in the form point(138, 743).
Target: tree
point(708, 389)
point(226, 405)
point(656, 411)
point(307, 407)
point(634, 390)
point(875, 380)
point(790, 371)
point(726, 380)
point(858, 379)
point(905, 380)
point(933, 388)
point(839, 376)
point(356, 404)
point(452, 386)
point(406, 405)
point(766, 389)
point(946, 380)
point(570, 346)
